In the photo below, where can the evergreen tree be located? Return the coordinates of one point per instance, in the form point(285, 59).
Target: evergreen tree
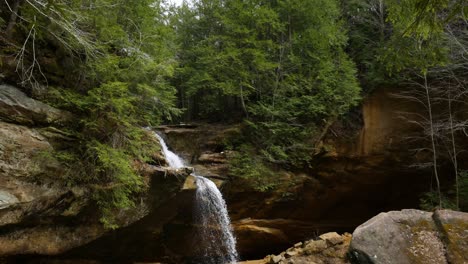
point(120, 55)
point(280, 64)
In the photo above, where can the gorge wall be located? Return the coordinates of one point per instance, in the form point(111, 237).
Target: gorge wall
point(363, 171)
point(360, 173)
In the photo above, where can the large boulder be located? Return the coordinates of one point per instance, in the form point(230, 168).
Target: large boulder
point(411, 236)
point(17, 107)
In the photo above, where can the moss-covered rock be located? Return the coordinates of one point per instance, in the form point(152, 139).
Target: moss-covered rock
point(412, 236)
point(453, 227)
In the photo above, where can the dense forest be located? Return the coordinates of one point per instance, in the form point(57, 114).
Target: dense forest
point(286, 70)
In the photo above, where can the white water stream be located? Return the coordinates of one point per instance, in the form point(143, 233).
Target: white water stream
point(210, 215)
point(172, 159)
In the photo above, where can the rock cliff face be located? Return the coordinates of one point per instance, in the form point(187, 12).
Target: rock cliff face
point(39, 213)
point(361, 174)
point(34, 202)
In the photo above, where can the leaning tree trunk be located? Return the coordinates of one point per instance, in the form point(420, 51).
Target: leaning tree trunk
point(14, 8)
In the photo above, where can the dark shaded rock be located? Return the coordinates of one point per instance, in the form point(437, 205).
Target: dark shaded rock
point(265, 236)
point(148, 237)
point(47, 240)
point(51, 225)
point(17, 107)
point(252, 238)
point(311, 252)
point(59, 139)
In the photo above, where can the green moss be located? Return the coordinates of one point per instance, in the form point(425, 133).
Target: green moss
point(415, 241)
point(422, 225)
point(456, 242)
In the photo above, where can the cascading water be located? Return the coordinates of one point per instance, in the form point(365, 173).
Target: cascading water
point(172, 159)
point(210, 215)
point(212, 219)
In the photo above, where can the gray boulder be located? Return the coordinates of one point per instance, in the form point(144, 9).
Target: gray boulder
point(411, 236)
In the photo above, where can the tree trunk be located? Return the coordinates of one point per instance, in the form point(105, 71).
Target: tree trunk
point(454, 149)
point(244, 108)
point(431, 126)
point(13, 17)
point(324, 132)
point(382, 21)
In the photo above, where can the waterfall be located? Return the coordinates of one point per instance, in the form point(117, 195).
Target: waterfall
point(212, 219)
point(172, 159)
point(210, 215)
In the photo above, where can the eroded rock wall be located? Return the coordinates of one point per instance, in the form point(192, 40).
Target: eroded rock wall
point(41, 216)
point(363, 171)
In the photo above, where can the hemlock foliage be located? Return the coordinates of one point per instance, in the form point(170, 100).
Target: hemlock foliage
point(280, 65)
point(113, 60)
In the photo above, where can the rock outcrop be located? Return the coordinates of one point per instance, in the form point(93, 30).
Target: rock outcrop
point(33, 201)
point(412, 236)
point(58, 219)
point(39, 213)
point(17, 107)
point(453, 229)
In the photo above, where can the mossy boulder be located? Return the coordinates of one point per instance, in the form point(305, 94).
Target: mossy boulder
point(453, 227)
point(411, 236)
